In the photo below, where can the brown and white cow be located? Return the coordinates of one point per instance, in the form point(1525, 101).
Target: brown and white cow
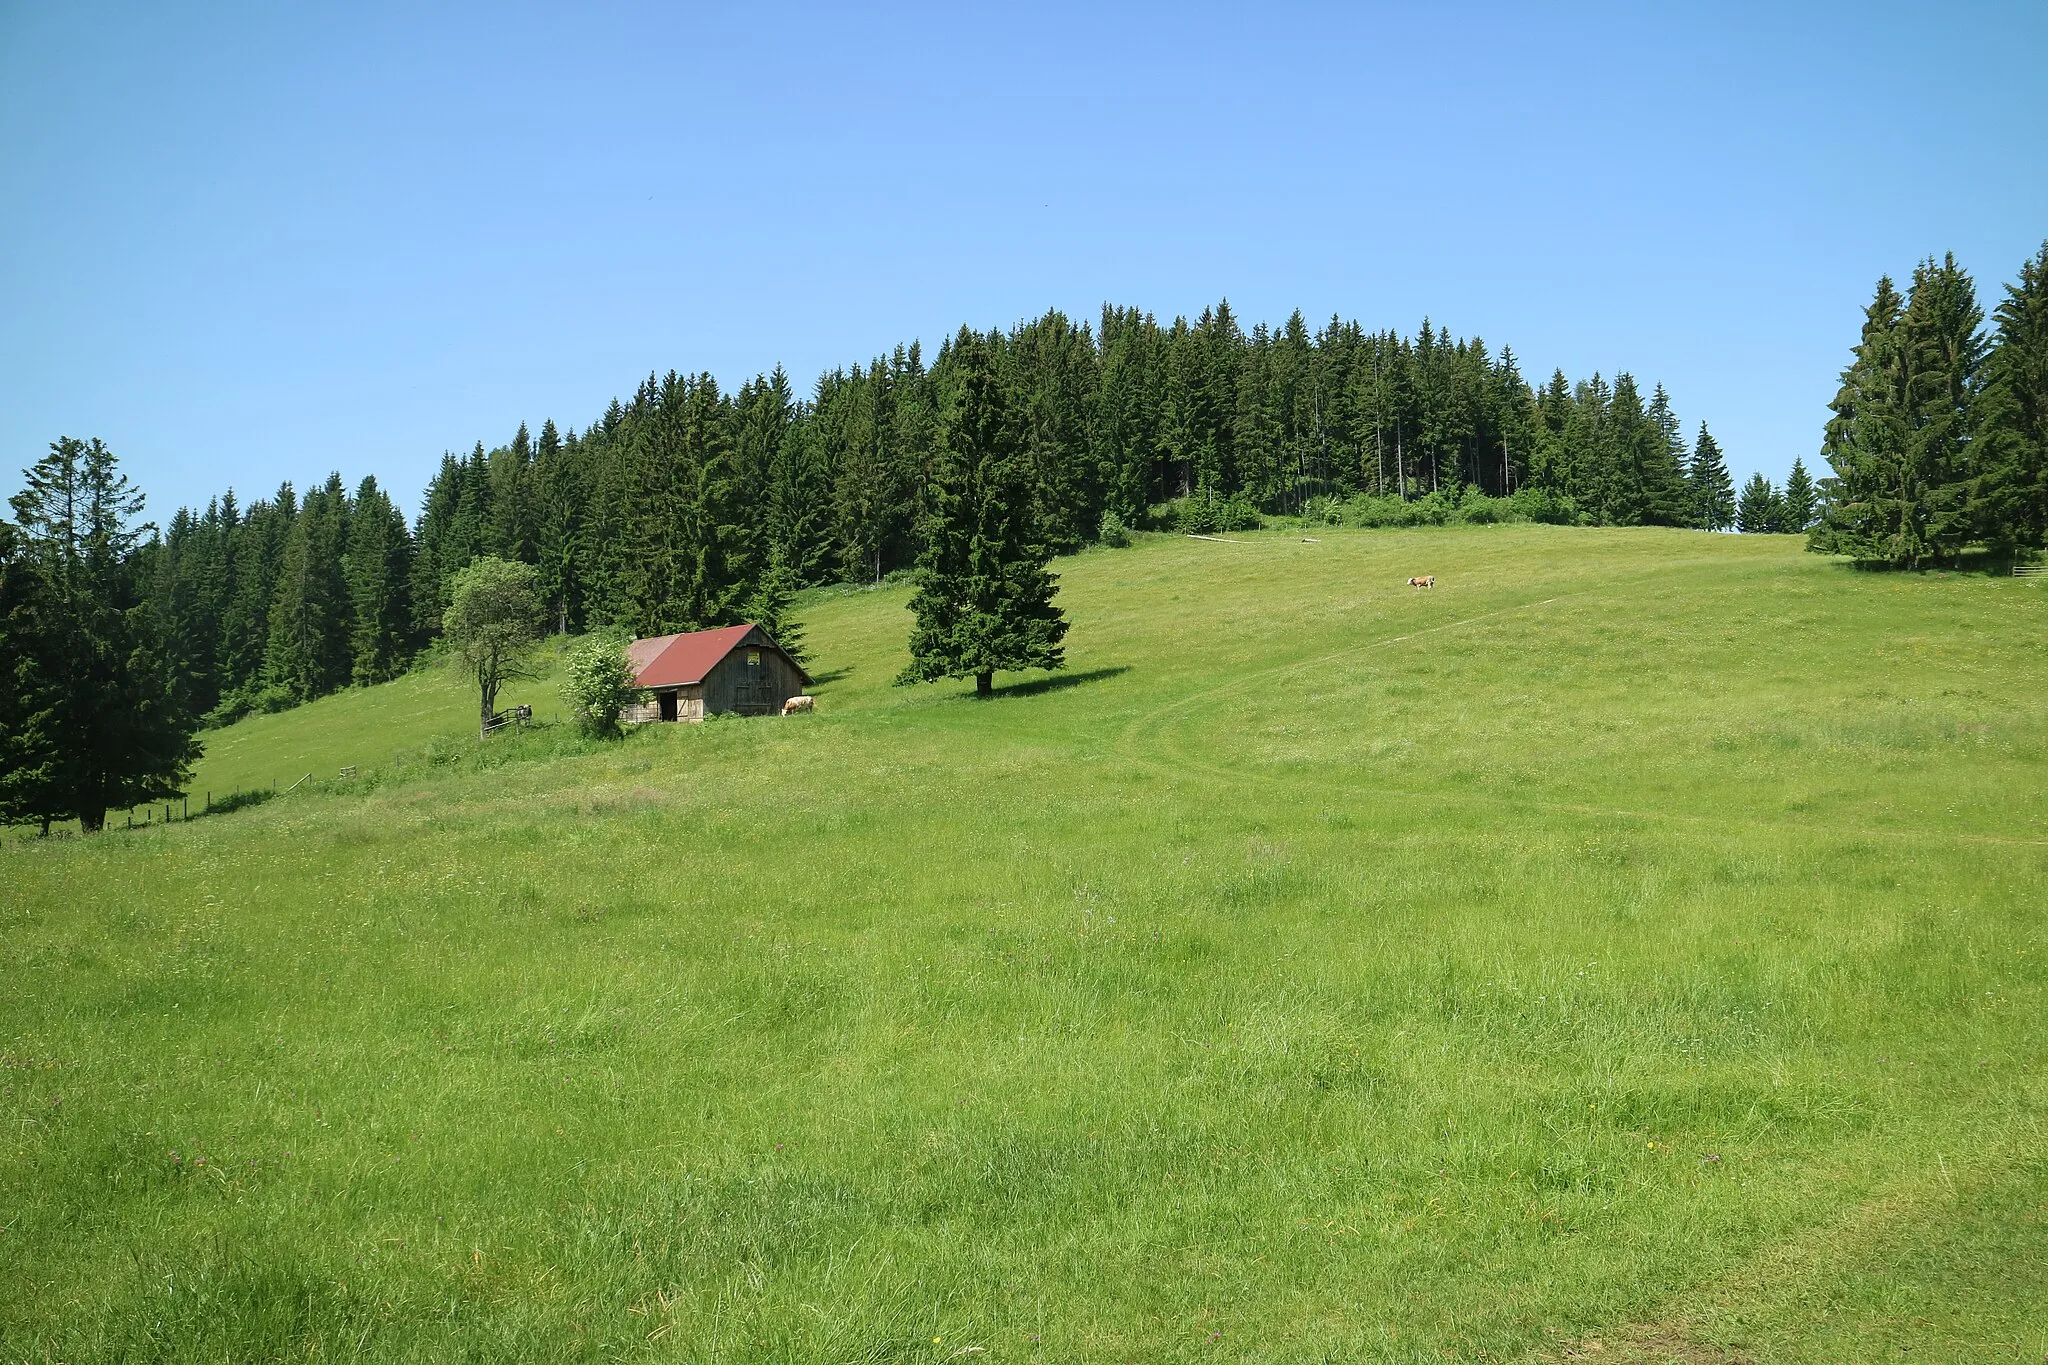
point(796, 704)
point(1426, 581)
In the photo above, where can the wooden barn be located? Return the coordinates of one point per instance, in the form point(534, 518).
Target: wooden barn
point(703, 673)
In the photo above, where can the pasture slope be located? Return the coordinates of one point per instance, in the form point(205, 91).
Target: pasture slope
point(1632, 949)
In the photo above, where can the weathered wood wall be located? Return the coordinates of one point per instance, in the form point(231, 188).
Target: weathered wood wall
point(754, 680)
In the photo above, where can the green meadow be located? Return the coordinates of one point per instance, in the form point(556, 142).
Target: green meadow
point(1635, 948)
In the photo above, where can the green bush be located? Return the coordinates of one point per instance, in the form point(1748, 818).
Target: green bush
point(1481, 510)
point(1433, 510)
point(1113, 531)
point(1462, 505)
point(597, 684)
point(1205, 513)
point(1322, 511)
point(1541, 504)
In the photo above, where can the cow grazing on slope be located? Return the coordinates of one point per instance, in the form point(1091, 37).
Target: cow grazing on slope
point(1426, 581)
point(797, 704)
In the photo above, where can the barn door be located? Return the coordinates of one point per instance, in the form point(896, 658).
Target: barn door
point(750, 694)
point(668, 705)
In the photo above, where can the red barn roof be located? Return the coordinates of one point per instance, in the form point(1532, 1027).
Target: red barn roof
point(683, 660)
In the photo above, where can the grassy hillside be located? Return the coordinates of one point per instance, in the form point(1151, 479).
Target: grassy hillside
point(363, 728)
point(1633, 947)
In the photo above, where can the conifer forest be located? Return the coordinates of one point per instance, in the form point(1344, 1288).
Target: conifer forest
point(673, 508)
point(687, 505)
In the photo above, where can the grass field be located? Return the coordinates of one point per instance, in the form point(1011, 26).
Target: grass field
point(424, 714)
point(1633, 949)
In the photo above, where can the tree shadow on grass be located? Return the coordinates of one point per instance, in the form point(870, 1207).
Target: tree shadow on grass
point(830, 675)
point(1054, 682)
point(1971, 563)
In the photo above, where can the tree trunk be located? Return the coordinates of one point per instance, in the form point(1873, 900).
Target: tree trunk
point(985, 684)
point(487, 691)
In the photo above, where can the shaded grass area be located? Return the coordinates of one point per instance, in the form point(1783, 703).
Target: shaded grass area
point(1569, 954)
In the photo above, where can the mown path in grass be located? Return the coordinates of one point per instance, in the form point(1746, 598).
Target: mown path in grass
point(1318, 970)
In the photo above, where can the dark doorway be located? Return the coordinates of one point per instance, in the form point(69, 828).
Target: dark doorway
point(668, 705)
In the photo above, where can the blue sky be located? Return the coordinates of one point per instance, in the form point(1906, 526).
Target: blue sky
point(254, 243)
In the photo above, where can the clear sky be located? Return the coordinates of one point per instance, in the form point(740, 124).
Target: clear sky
point(254, 243)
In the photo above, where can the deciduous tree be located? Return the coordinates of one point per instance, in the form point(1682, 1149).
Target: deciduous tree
point(492, 620)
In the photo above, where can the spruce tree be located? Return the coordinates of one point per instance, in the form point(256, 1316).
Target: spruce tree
point(1800, 501)
point(31, 710)
point(308, 651)
point(984, 598)
point(1909, 486)
point(1759, 511)
point(559, 506)
point(1624, 447)
point(1711, 491)
point(1941, 334)
point(104, 706)
point(1126, 417)
point(799, 513)
point(2014, 407)
point(1055, 380)
point(245, 623)
point(768, 606)
point(512, 500)
point(1551, 459)
point(1874, 511)
point(433, 548)
point(1666, 493)
point(869, 486)
point(377, 567)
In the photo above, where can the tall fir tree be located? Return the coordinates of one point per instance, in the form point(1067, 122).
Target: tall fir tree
point(560, 498)
point(1666, 496)
point(377, 571)
point(512, 516)
point(1054, 378)
point(1873, 510)
point(1759, 511)
point(768, 606)
point(1711, 492)
point(984, 600)
point(32, 756)
point(799, 507)
point(1909, 483)
point(106, 705)
point(308, 651)
point(1800, 502)
point(2013, 510)
point(1126, 422)
point(1942, 336)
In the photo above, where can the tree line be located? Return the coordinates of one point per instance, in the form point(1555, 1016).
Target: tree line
point(688, 506)
point(1938, 437)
